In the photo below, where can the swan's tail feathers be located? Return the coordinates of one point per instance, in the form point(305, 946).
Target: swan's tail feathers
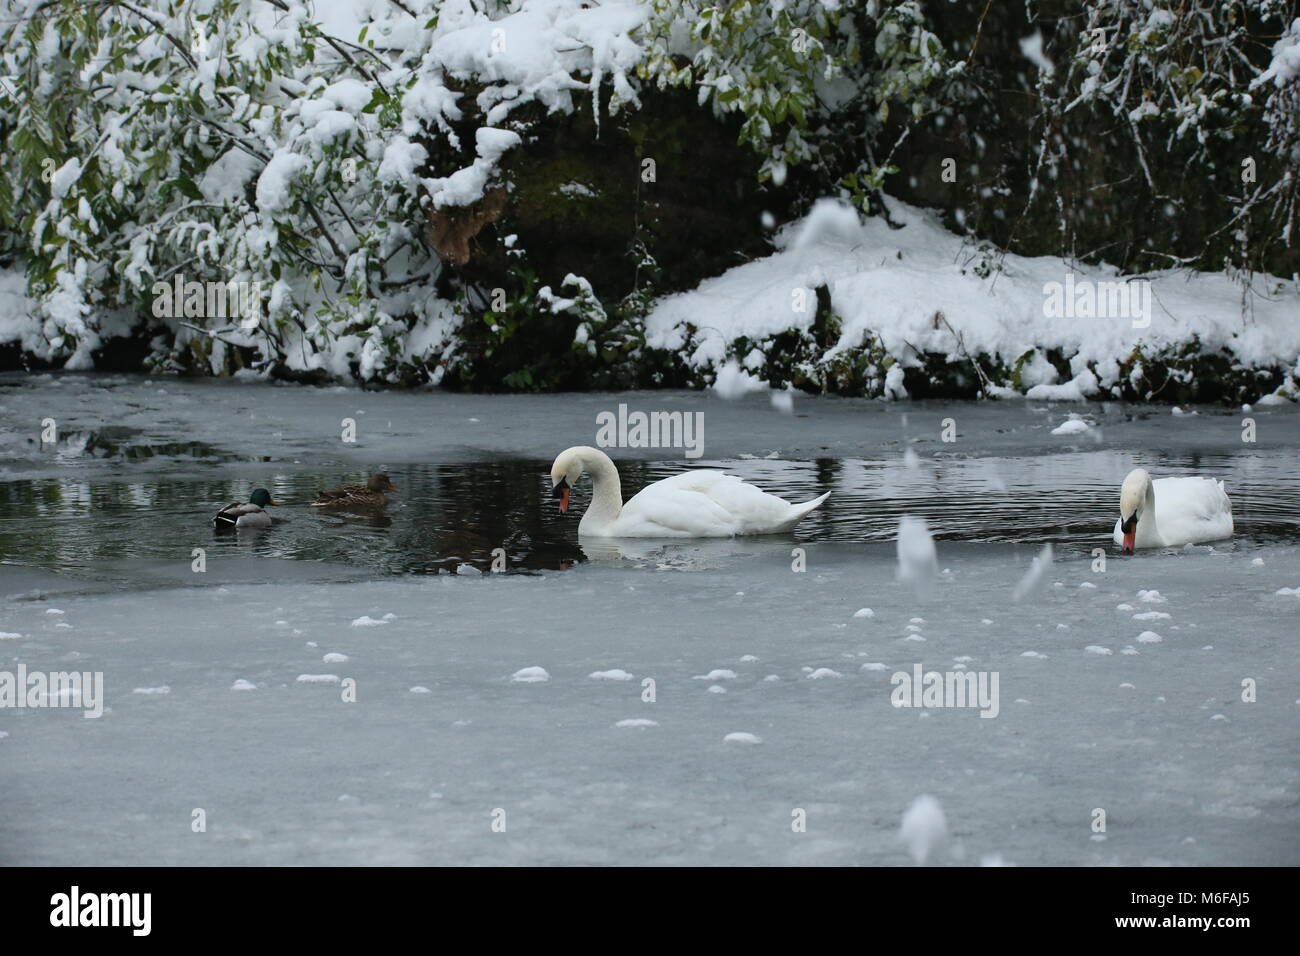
point(800, 511)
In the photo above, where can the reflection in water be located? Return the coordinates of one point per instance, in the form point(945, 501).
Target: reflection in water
point(373, 519)
point(452, 517)
point(695, 554)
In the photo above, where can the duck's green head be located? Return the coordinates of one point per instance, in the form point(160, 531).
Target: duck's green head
point(261, 497)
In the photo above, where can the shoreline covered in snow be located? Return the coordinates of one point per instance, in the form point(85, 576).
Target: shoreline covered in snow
point(854, 306)
point(920, 310)
point(553, 195)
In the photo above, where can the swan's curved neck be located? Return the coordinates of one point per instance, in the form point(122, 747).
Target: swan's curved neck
point(606, 489)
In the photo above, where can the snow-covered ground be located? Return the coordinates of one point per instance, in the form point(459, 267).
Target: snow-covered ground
point(922, 289)
point(318, 710)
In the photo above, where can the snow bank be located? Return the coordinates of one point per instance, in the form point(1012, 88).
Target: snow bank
point(16, 319)
point(905, 294)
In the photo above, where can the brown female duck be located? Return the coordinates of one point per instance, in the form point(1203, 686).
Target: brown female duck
point(369, 495)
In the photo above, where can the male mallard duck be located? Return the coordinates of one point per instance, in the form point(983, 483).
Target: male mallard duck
point(251, 515)
point(369, 495)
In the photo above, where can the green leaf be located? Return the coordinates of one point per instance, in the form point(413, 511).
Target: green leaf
point(187, 188)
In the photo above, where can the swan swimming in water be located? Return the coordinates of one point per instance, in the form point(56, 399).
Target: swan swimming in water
point(694, 504)
point(1186, 511)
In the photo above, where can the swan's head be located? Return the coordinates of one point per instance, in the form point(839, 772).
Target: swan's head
point(1132, 501)
point(565, 473)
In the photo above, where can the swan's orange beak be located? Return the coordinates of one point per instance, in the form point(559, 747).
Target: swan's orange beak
point(561, 491)
point(1129, 528)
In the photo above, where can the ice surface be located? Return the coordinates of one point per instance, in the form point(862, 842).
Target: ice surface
point(101, 790)
point(299, 426)
point(425, 729)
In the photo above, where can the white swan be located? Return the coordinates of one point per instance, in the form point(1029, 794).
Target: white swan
point(694, 504)
point(1187, 511)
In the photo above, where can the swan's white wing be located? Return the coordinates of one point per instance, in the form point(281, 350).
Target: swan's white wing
point(756, 511)
point(1189, 510)
point(706, 504)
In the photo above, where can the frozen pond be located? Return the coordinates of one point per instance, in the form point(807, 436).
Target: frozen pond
point(1109, 699)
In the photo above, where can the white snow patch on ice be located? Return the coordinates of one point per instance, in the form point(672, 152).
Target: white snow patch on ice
point(924, 827)
point(1071, 426)
point(733, 382)
point(823, 672)
point(530, 675)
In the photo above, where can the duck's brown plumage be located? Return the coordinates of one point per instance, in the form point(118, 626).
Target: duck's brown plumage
point(369, 495)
